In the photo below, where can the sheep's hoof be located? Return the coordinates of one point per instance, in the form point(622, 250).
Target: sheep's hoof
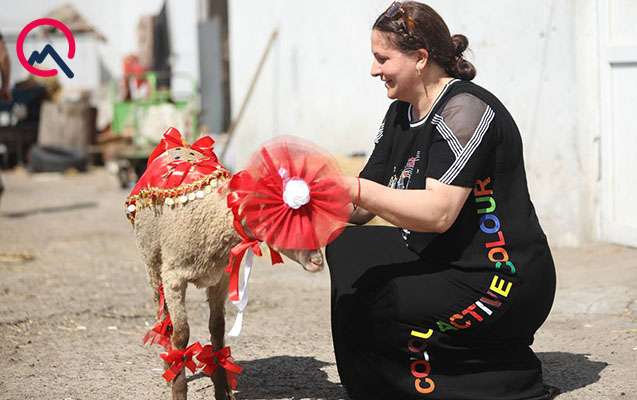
point(228, 395)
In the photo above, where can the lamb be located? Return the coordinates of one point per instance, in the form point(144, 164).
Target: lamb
point(188, 240)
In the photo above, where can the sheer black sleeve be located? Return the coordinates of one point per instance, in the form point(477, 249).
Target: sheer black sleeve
point(462, 141)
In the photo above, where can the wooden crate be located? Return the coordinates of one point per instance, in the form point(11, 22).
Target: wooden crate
point(69, 125)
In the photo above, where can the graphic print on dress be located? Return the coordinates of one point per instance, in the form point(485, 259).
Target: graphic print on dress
point(377, 138)
point(402, 180)
point(379, 134)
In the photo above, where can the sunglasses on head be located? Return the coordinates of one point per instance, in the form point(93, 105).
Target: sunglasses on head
point(395, 11)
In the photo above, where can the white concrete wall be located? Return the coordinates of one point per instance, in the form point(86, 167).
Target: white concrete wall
point(538, 57)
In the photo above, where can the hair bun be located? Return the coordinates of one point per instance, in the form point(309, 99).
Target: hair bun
point(460, 43)
point(458, 66)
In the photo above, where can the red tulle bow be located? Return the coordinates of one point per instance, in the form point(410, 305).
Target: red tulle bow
point(160, 333)
point(266, 205)
point(210, 360)
point(180, 359)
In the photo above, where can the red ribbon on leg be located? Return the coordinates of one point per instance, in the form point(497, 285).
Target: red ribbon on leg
point(162, 301)
point(180, 359)
point(210, 360)
point(160, 333)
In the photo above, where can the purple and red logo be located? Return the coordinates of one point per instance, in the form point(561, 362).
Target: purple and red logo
point(48, 49)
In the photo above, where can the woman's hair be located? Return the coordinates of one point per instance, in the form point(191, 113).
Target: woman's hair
point(412, 26)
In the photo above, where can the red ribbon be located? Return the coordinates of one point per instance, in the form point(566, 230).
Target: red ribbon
point(162, 301)
point(180, 359)
point(244, 181)
point(205, 146)
point(236, 255)
point(160, 333)
point(210, 360)
point(179, 169)
point(172, 138)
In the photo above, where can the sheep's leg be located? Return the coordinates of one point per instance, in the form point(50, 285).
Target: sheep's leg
point(153, 260)
point(176, 303)
point(217, 325)
point(154, 279)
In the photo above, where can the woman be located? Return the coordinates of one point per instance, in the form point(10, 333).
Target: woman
point(446, 306)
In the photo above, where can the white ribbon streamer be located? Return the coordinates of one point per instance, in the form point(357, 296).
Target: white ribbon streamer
point(243, 296)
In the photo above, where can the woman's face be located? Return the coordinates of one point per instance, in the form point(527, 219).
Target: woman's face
point(396, 69)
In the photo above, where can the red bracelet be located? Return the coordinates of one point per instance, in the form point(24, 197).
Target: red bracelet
point(358, 197)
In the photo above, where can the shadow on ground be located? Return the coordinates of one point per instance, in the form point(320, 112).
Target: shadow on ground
point(46, 210)
point(277, 377)
point(568, 371)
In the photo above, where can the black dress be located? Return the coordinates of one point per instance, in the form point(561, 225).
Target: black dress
point(445, 316)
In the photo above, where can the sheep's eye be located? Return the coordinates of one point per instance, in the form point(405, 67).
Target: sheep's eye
point(192, 154)
point(178, 148)
point(177, 158)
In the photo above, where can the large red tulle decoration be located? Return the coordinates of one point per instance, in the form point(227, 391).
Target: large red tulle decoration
point(291, 195)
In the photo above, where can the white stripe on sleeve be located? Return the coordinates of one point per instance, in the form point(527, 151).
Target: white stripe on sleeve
point(472, 145)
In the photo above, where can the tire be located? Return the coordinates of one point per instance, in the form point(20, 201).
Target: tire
point(50, 159)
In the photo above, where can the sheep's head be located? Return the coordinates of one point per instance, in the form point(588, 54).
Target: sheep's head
point(310, 260)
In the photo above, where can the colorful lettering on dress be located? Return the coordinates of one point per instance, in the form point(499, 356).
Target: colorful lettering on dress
point(421, 367)
point(498, 286)
point(490, 224)
point(497, 254)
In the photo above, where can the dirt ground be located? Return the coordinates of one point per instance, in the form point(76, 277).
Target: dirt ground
point(75, 304)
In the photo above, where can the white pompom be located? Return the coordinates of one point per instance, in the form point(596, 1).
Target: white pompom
point(296, 193)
